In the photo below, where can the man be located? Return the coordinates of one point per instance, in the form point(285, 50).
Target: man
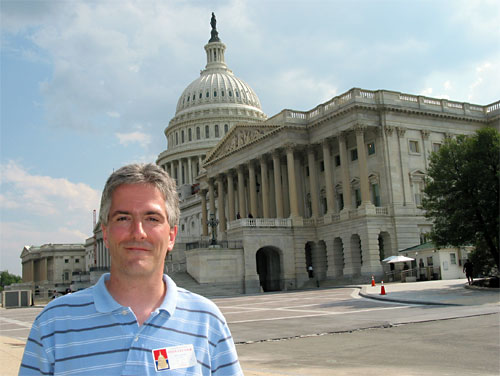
point(469, 271)
point(135, 320)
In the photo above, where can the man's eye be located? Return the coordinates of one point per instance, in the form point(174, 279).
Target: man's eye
point(121, 219)
point(153, 219)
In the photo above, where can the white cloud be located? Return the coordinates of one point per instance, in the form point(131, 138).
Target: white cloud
point(41, 209)
point(476, 83)
point(135, 137)
point(43, 195)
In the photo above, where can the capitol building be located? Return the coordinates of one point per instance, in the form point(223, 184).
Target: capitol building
point(263, 199)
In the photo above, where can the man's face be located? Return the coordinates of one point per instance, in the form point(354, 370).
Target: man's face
point(138, 235)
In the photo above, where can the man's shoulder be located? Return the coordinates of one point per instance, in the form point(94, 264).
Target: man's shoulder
point(79, 299)
point(189, 300)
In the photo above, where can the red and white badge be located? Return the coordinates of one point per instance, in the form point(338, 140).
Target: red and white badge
point(174, 357)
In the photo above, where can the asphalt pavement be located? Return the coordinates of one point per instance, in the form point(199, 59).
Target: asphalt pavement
point(445, 293)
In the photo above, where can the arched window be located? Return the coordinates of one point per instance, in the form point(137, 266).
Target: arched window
point(198, 133)
point(226, 128)
point(176, 138)
point(216, 130)
point(207, 131)
point(190, 134)
point(182, 136)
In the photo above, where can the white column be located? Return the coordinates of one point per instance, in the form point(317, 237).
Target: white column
point(241, 192)
point(230, 195)
point(363, 165)
point(344, 166)
point(204, 222)
point(220, 203)
point(179, 172)
point(292, 183)
point(253, 189)
point(313, 181)
point(277, 184)
point(330, 197)
point(190, 172)
point(264, 187)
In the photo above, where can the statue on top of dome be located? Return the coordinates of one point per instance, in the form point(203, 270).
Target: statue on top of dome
point(215, 34)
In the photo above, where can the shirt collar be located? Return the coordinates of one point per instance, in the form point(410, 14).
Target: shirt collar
point(105, 303)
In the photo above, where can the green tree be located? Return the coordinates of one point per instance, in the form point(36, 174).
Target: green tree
point(7, 279)
point(462, 192)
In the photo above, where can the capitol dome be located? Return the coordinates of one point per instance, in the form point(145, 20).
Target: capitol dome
point(217, 85)
point(206, 110)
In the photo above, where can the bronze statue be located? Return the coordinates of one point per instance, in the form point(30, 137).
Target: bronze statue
point(213, 22)
point(214, 33)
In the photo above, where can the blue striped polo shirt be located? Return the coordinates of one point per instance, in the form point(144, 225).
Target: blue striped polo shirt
point(89, 333)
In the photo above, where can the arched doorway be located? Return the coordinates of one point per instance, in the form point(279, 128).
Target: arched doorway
point(269, 269)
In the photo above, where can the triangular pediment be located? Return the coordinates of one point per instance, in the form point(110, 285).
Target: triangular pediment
point(239, 137)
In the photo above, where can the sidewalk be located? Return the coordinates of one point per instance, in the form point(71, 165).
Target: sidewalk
point(440, 292)
point(11, 353)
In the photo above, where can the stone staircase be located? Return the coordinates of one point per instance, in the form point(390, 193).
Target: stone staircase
point(183, 279)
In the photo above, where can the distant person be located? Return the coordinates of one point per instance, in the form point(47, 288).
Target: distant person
point(405, 266)
point(310, 271)
point(250, 215)
point(238, 216)
point(469, 270)
point(135, 320)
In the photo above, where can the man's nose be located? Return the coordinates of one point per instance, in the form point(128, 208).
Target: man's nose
point(138, 230)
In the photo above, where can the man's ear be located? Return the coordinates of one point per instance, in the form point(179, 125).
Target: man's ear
point(172, 235)
point(104, 235)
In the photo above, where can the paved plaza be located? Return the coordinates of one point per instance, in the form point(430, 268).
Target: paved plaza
point(304, 332)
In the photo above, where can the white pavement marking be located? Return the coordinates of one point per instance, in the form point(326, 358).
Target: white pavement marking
point(316, 315)
point(13, 321)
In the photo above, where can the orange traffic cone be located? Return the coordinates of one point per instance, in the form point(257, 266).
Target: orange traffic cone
point(382, 289)
point(373, 281)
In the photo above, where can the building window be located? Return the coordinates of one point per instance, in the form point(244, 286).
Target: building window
point(201, 95)
point(371, 148)
point(237, 94)
point(322, 166)
point(414, 147)
point(176, 138)
point(216, 130)
point(190, 135)
point(341, 201)
point(337, 160)
point(357, 194)
point(198, 133)
point(226, 128)
point(207, 94)
point(307, 170)
point(376, 194)
point(207, 131)
point(436, 147)
point(77, 261)
point(66, 261)
point(354, 154)
point(453, 259)
point(194, 97)
point(215, 93)
point(429, 261)
point(222, 93)
point(230, 93)
point(182, 136)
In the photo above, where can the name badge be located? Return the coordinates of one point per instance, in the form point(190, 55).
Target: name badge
point(174, 357)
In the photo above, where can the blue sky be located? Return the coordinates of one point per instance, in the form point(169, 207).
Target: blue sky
point(87, 86)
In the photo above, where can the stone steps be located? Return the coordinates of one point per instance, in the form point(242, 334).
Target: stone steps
point(184, 280)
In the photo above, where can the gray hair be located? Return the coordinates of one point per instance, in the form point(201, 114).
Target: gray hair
point(142, 173)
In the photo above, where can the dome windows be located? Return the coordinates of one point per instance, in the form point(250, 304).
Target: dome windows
point(190, 134)
point(198, 133)
point(226, 128)
point(201, 95)
point(216, 130)
point(208, 94)
point(207, 131)
point(215, 93)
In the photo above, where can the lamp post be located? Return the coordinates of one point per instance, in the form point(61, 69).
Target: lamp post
point(213, 222)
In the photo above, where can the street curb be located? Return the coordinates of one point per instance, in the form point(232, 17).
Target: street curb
point(404, 301)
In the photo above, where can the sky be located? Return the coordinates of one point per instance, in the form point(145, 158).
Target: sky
point(88, 86)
